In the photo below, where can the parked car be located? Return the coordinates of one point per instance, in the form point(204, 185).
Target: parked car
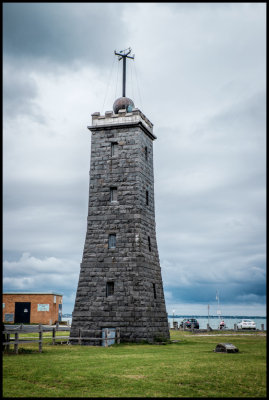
point(188, 323)
point(246, 324)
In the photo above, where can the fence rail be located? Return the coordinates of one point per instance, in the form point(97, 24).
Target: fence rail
point(18, 330)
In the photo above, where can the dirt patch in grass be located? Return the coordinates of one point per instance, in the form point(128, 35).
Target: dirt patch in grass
point(134, 376)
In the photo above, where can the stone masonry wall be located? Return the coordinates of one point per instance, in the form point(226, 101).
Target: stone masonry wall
point(137, 305)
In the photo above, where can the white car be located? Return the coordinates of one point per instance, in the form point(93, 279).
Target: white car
point(246, 324)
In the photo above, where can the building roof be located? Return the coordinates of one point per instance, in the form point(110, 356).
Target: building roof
point(56, 294)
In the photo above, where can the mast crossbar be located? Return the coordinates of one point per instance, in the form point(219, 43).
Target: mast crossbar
point(122, 56)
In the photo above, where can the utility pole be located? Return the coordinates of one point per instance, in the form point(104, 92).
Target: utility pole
point(122, 56)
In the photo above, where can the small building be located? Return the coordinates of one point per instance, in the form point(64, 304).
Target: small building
point(32, 308)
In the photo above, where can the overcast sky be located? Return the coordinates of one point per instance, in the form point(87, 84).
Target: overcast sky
point(199, 76)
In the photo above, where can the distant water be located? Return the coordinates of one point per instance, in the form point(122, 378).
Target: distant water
point(213, 320)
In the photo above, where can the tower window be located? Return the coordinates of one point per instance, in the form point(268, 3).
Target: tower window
point(146, 153)
point(109, 289)
point(112, 241)
point(113, 194)
point(154, 290)
point(147, 197)
point(149, 244)
point(114, 149)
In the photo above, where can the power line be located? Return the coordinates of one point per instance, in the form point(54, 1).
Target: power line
point(117, 81)
point(138, 87)
point(132, 85)
point(108, 84)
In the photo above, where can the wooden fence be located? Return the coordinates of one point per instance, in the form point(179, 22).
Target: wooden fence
point(7, 340)
point(106, 339)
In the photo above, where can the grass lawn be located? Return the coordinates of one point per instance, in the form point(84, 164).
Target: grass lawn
point(188, 368)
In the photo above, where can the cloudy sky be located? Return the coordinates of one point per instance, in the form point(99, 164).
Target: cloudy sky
point(199, 76)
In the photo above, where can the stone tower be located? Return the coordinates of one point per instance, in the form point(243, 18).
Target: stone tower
point(120, 282)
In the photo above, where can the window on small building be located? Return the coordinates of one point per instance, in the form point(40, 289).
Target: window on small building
point(109, 289)
point(147, 197)
point(113, 194)
point(112, 241)
point(114, 149)
point(149, 244)
point(154, 290)
point(146, 153)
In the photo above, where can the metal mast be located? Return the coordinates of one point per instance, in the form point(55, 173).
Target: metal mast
point(122, 56)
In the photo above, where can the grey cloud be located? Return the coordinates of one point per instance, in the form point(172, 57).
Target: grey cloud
point(20, 93)
point(230, 293)
point(45, 273)
point(45, 230)
point(62, 32)
point(28, 265)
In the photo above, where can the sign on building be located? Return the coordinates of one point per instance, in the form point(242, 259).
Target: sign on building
point(9, 317)
point(43, 307)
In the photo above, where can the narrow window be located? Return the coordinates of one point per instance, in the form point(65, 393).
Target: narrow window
point(146, 153)
point(154, 290)
point(109, 289)
point(149, 243)
point(147, 197)
point(112, 241)
point(114, 149)
point(113, 194)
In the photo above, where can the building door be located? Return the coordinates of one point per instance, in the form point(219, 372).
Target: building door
point(22, 313)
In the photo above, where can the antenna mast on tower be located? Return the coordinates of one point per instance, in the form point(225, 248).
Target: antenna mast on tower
point(122, 56)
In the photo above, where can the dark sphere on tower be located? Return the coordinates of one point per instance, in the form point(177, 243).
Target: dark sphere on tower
point(123, 103)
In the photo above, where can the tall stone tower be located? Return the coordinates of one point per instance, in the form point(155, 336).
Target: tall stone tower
point(120, 282)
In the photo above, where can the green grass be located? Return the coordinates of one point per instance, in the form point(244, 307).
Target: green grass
point(188, 368)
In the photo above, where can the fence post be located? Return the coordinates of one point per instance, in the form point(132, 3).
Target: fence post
point(262, 327)
point(57, 325)
point(16, 344)
point(79, 336)
point(118, 335)
point(106, 333)
point(53, 335)
point(8, 340)
point(184, 326)
point(235, 327)
point(40, 338)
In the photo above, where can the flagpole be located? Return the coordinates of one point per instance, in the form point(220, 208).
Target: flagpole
point(217, 298)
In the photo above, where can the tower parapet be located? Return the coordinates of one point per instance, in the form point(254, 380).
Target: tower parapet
point(110, 119)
